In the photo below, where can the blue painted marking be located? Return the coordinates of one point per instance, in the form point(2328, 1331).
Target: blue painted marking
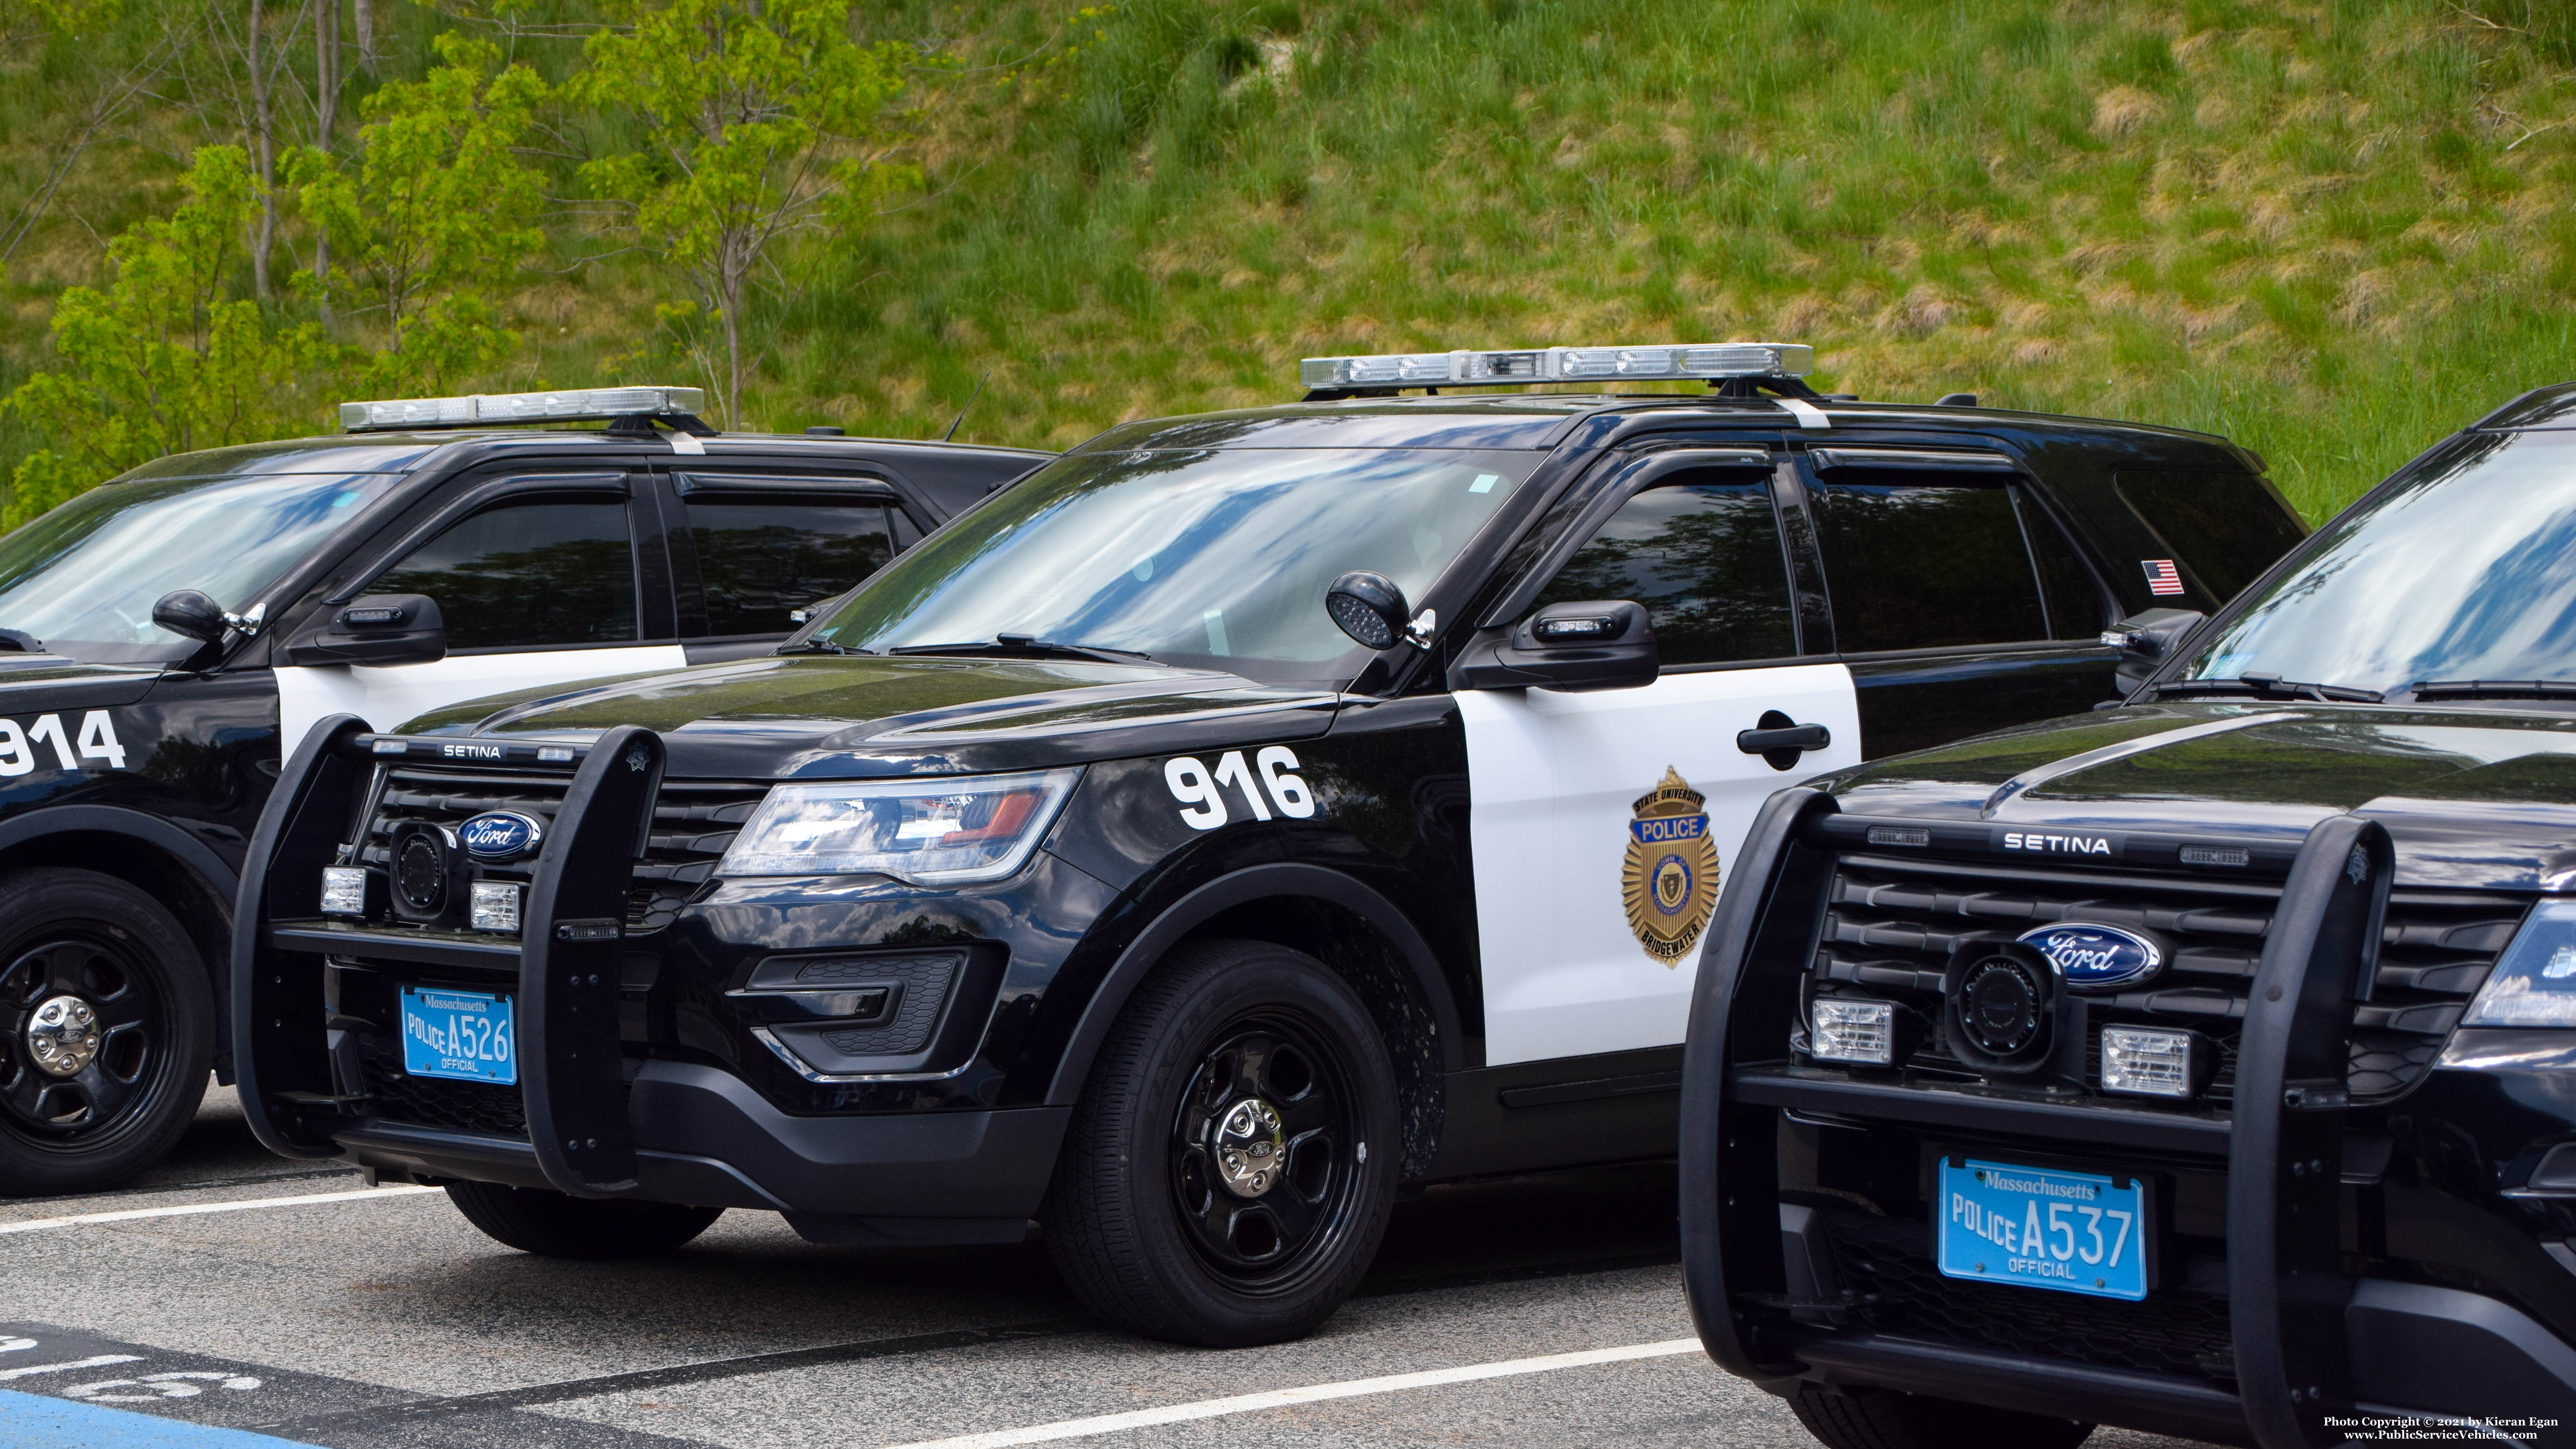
point(33, 1421)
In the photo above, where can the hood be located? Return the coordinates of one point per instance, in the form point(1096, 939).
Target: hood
point(2474, 799)
point(37, 683)
point(824, 716)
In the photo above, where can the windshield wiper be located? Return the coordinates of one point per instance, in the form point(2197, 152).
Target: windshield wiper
point(820, 646)
point(2439, 689)
point(2272, 686)
point(1025, 646)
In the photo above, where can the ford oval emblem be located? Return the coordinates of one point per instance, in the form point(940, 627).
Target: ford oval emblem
point(2096, 958)
point(500, 835)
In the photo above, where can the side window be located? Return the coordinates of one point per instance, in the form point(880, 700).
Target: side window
point(2226, 527)
point(760, 558)
point(1702, 554)
point(1924, 560)
point(2066, 586)
point(557, 571)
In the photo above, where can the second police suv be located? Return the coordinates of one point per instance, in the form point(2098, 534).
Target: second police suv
point(1234, 821)
point(162, 633)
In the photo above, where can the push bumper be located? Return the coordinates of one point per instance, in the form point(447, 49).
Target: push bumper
point(2309, 1346)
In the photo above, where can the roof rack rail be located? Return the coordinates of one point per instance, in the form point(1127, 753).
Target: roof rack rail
point(629, 411)
point(1775, 366)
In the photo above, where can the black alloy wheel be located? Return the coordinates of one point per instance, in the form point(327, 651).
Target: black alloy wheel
point(106, 1031)
point(1232, 1161)
point(1264, 1153)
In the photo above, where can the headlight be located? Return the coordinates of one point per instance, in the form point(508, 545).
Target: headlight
point(2534, 981)
point(929, 831)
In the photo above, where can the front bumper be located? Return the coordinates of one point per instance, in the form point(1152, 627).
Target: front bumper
point(2270, 1335)
point(703, 1136)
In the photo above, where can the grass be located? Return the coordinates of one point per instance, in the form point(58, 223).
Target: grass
point(2333, 231)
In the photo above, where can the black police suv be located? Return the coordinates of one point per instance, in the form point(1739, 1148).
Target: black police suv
point(1236, 819)
point(2205, 1066)
point(164, 631)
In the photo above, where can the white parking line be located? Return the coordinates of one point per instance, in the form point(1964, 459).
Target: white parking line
point(134, 1214)
point(1314, 1393)
point(102, 1361)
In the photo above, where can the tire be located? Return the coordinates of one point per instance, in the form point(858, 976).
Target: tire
point(1867, 1418)
point(1166, 1217)
point(558, 1225)
point(107, 1031)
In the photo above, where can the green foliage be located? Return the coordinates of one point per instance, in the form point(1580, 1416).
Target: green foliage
point(164, 359)
point(764, 119)
point(435, 217)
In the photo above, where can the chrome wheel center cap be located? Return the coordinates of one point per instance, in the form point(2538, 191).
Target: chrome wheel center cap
point(62, 1037)
point(1250, 1150)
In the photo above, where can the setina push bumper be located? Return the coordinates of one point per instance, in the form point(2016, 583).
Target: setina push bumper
point(530, 1033)
point(2271, 1333)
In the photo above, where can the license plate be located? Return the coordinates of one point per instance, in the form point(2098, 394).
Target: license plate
point(2075, 1232)
point(464, 1035)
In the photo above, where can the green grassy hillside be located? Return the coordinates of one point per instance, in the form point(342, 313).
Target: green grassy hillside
point(2332, 231)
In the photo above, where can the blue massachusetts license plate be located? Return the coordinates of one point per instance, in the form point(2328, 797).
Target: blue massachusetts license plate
point(461, 1034)
point(2041, 1228)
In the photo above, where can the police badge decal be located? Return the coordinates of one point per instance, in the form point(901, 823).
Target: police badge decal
point(1670, 880)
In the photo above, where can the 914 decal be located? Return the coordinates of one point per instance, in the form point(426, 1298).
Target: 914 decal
point(22, 745)
point(1201, 791)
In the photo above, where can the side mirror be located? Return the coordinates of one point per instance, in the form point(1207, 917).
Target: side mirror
point(1369, 607)
point(378, 629)
point(2146, 640)
point(190, 615)
point(1594, 644)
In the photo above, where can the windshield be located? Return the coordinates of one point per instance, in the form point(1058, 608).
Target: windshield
point(2465, 571)
point(1209, 557)
point(83, 577)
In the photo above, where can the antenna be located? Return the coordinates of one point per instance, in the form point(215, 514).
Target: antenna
point(970, 402)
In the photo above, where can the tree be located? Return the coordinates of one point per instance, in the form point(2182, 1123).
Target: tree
point(762, 118)
point(165, 359)
point(436, 209)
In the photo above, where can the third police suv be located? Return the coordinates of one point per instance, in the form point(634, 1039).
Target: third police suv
point(1238, 820)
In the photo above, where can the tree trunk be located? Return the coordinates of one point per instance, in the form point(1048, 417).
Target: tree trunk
point(263, 154)
point(733, 355)
point(364, 12)
point(326, 110)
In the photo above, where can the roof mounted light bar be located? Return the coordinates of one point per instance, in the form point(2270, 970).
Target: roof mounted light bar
point(677, 407)
point(1522, 367)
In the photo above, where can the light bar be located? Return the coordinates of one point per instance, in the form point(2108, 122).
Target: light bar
point(2145, 1062)
point(584, 405)
point(1840, 1029)
point(1521, 367)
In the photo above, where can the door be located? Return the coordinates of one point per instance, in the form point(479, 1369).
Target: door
point(537, 589)
point(1958, 601)
point(1602, 822)
point(750, 554)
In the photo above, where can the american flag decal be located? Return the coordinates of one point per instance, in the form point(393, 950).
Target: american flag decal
point(2161, 578)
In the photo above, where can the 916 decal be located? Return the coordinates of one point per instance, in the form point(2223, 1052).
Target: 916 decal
point(1202, 796)
point(97, 741)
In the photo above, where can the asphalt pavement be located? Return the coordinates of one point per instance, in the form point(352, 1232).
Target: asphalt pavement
point(230, 1300)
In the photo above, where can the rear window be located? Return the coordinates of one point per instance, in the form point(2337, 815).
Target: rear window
point(2226, 528)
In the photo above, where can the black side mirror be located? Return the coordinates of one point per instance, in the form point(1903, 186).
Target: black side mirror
point(190, 615)
point(1595, 644)
point(1369, 607)
point(2146, 640)
point(378, 629)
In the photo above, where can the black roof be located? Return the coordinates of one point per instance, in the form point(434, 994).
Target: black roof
point(1540, 421)
point(407, 452)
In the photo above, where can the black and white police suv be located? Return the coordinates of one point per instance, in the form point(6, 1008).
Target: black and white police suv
point(164, 631)
point(1237, 819)
point(2206, 1066)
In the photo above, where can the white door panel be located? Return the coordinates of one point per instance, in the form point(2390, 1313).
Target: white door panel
point(1555, 783)
point(387, 697)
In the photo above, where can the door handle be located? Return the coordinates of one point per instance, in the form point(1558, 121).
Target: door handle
point(1780, 740)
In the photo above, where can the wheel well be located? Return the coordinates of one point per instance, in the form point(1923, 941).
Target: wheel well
point(202, 912)
point(1362, 956)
